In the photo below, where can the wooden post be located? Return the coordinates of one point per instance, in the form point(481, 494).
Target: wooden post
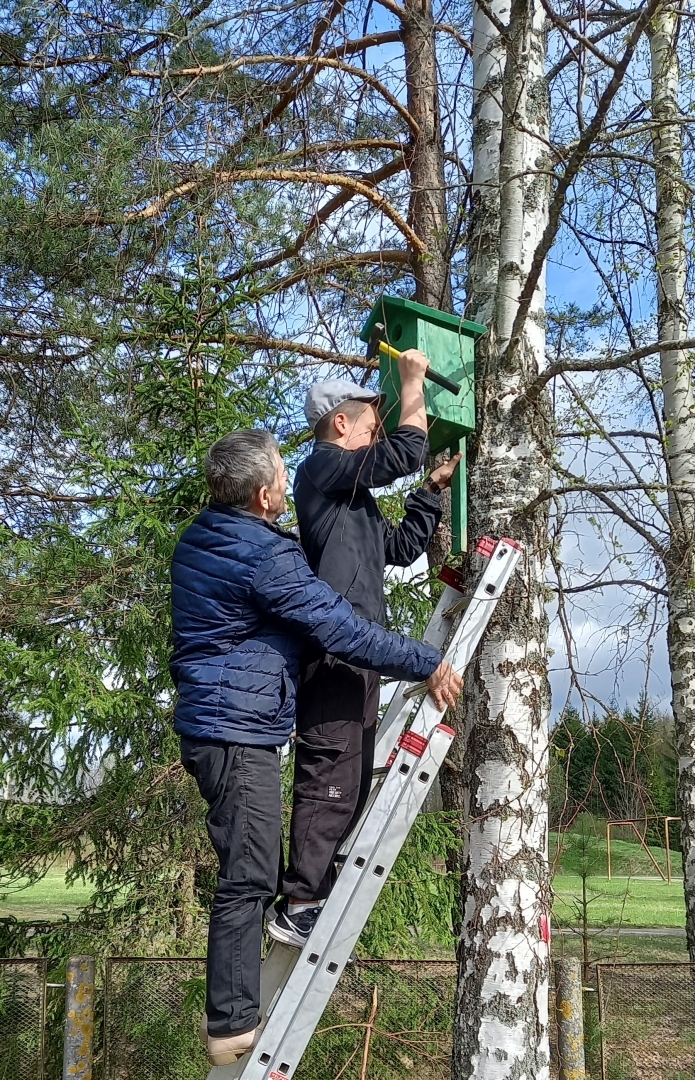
point(608, 847)
point(569, 1013)
point(667, 835)
point(78, 1040)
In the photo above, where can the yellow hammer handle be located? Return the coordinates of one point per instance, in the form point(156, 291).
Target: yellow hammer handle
point(388, 350)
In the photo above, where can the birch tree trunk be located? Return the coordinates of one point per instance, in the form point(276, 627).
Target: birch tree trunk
point(501, 1026)
point(679, 416)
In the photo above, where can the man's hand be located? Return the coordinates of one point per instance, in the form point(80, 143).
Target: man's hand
point(412, 365)
point(443, 474)
point(445, 685)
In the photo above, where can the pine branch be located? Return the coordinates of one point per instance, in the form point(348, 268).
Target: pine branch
point(268, 176)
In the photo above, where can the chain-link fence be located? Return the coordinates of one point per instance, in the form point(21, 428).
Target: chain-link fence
point(647, 1014)
point(385, 1019)
point(22, 1018)
point(152, 1010)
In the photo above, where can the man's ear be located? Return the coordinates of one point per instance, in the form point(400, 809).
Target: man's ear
point(340, 423)
point(263, 498)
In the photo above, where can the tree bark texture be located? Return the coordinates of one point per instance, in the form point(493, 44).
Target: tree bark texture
point(428, 211)
point(500, 775)
point(679, 416)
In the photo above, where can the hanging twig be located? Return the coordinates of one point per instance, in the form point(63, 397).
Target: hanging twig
point(368, 1034)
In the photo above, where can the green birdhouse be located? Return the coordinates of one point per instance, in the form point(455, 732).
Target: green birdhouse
point(448, 342)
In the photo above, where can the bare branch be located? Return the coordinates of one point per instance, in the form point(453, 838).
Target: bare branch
point(587, 43)
point(600, 363)
point(259, 341)
point(322, 215)
point(446, 28)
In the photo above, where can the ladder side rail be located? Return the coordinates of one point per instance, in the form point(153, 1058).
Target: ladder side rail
point(463, 643)
point(400, 707)
point(478, 610)
point(297, 1013)
point(470, 630)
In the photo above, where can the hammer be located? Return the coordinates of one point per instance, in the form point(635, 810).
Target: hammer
point(378, 344)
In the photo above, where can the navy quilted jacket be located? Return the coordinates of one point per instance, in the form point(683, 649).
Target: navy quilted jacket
point(244, 604)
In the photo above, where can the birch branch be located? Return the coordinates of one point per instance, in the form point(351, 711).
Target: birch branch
point(586, 42)
point(603, 363)
point(607, 31)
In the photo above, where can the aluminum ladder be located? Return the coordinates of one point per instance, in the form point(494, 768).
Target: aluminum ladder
point(296, 985)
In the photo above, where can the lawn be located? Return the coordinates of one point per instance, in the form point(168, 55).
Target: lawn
point(621, 902)
point(624, 901)
point(47, 899)
point(627, 859)
point(635, 949)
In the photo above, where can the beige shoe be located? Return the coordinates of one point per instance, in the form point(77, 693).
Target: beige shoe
point(225, 1049)
point(203, 1030)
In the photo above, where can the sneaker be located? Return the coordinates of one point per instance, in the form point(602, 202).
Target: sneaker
point(225, 1049)
point(292, 929)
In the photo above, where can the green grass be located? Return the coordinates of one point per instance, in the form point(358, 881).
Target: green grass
point(624, 902)
point(635, 949)
point(627, 859)
point(47, 899)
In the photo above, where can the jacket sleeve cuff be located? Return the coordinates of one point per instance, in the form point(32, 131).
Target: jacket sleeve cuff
point(432, 498)
point(430, 660)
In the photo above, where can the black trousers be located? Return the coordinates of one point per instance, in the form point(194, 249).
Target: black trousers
point(337, 712)
point(241, 784)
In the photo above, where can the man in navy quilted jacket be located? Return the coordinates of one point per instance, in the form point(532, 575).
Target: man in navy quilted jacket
point(244, 605)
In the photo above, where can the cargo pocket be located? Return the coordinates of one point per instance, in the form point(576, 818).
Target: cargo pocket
point(316, 763)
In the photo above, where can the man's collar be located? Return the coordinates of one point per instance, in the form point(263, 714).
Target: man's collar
point(236, 511)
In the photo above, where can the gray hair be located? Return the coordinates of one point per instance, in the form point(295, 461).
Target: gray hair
point(239, 464)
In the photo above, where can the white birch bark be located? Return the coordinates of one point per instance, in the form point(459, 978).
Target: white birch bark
point(501, 1029)
point(679, 416)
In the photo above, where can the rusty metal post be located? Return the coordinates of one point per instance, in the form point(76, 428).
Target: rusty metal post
point(78, 1042)
point(569, 1012)
point(608, 848)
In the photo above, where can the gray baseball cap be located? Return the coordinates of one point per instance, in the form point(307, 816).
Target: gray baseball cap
point(324, 397)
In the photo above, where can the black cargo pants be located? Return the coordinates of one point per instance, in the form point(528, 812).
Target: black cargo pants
point(337, 712)
point(241, 784)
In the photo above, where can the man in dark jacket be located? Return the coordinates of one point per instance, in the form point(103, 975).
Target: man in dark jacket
point(348, 544)
point(244, 602)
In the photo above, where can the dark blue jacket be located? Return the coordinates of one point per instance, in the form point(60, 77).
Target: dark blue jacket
point(348, 541)
point(244, 603)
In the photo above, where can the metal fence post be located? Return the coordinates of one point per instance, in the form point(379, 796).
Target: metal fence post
point(569, 1011)
point(79, 1019)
